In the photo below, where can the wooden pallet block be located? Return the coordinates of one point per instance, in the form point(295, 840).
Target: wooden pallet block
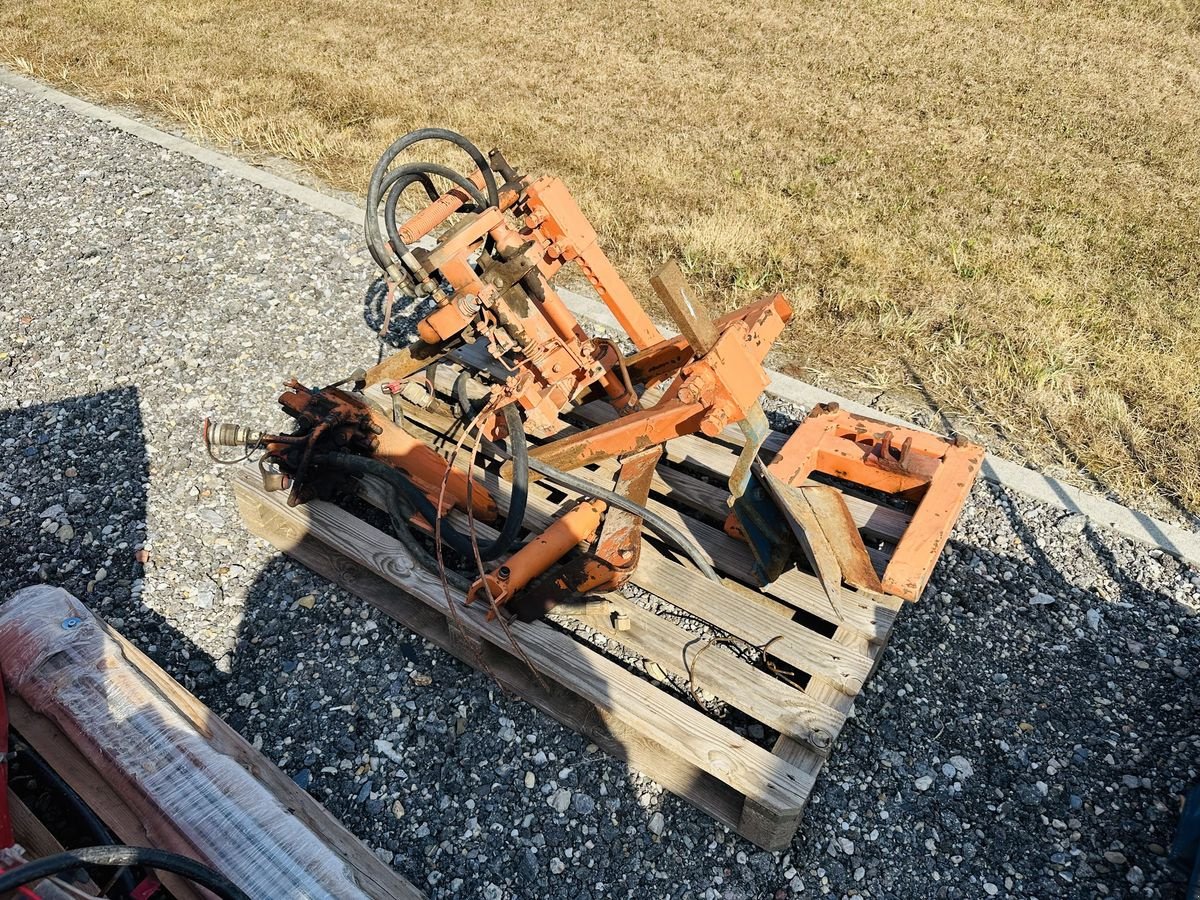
point(759, 792)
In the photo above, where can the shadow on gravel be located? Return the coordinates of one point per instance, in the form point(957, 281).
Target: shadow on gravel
point(1072, 709)
point(77, 504)
point(74, 515)
point(400, 332)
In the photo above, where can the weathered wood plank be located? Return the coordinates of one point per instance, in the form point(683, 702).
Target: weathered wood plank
point(694, 785)
point(761, 825)
point(793, 643)
point(621, 697)
point(711, 668)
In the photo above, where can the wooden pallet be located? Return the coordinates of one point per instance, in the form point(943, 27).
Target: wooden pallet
point(759, 792)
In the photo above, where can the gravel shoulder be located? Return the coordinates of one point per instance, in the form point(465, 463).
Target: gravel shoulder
point(1030, 732)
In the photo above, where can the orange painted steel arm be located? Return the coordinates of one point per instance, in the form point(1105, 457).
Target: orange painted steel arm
point(618, 298)
point(669, 355)
point(843, 458)
point(572, 527)
point(921, 544)
point(405, 361)
point(556, 214)
point(637, 431)
point(798, 456)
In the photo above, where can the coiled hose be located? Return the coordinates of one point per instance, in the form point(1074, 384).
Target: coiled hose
point(376, 189)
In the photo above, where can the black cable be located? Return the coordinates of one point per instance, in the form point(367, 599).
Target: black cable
point(466, 406)
point(518, 450)
point(652, 520)
point(50, 866)
point(83, 813)
point(518, 447)
point(375, 241)
point(413, 499)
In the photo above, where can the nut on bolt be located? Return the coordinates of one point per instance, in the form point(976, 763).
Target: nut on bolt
point(714, 423)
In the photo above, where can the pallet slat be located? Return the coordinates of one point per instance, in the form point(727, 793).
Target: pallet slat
point(35, 837)
point(620, 696)
point(792, 643)
point(714, 669)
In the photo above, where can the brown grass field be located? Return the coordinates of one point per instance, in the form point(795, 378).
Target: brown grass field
point(992, 205)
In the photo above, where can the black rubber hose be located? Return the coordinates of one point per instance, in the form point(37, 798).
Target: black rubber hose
point(466, 406)
point(49, 866)
point(518, 448)
point(83, 812)
point(416, 501)
point(518, 451)
point(652, 520)
point(401, 178)
point(375, 241)
point(399, 497)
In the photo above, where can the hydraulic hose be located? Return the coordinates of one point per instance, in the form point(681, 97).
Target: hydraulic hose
point(466, 406)
point(409, 498)
point(401, 178)
point(652, 520)
point(50, 866)
point(518, 449)
point(375, 189)
point(402, 501)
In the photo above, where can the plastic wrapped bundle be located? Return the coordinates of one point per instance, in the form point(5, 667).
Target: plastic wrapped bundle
point(58, 658)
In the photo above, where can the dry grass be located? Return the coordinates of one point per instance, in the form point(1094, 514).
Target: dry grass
point(996, 203)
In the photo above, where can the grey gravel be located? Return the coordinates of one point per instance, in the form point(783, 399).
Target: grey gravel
point(1006, 746)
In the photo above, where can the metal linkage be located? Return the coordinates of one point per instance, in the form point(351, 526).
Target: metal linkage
point(485, 250)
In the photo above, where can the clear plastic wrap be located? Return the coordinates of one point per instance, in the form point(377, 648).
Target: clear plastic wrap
point(55, 655)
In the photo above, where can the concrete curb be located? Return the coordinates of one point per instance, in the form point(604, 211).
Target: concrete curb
point(1172, 539)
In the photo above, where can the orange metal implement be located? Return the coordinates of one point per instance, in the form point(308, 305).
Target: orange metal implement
point(934, 472)
point(576, 525)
